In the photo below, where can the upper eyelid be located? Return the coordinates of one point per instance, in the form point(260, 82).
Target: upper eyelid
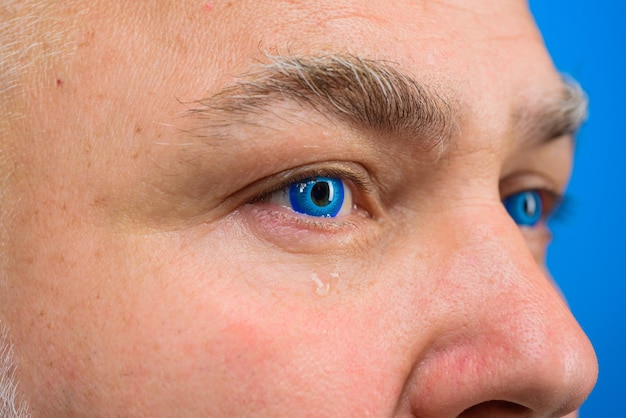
point(530, 180)
point(367, 185)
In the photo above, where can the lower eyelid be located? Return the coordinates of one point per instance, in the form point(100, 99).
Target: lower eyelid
point(295, 233)
point(279, 223)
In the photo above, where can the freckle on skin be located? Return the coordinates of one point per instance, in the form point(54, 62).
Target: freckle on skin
point(59, 82)
point(100, 202)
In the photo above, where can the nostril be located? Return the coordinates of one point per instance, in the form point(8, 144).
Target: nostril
point(496, 409)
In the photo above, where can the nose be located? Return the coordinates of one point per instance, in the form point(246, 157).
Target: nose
point(504, 342)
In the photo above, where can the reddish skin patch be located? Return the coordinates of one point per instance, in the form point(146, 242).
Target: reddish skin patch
point(59, 82)
point(208, 7)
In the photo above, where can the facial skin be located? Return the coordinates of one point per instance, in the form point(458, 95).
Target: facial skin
point(149, 268)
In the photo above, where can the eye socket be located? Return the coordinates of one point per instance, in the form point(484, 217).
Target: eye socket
point(321, 197)
point(525, 207)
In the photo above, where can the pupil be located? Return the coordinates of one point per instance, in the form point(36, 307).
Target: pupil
point(320, 194)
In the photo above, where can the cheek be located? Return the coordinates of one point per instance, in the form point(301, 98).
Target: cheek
point(275, 351)
point(161, 326)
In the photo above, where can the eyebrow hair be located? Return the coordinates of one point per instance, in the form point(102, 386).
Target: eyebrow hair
point(559, 115)
point(367, 94)
point(375, 96)
point(10, 405)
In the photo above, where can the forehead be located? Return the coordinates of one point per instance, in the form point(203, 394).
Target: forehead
point(145, 58)
point(208, 42)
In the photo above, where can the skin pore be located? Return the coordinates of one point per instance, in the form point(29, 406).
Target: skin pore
point(150, 268)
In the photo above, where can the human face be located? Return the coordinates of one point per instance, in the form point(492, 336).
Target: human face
point(152, 268)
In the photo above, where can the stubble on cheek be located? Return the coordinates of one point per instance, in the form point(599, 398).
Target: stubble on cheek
point(10, 404)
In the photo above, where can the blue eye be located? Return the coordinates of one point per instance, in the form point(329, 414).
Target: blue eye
point(316, 196)
point(525, 207)
point(320, 197)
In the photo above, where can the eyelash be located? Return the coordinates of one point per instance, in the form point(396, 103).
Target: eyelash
point(555, 205)
point(344, 175)
point(560, 205)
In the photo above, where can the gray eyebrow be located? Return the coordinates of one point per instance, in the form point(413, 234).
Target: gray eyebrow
point(367, 94)
point(372, 96)
point(558, 115)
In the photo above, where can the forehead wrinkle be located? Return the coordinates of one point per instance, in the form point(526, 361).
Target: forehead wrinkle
point(367, 94)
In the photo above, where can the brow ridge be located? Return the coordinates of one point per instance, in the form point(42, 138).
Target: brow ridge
point(367, 94)
point(558, 115)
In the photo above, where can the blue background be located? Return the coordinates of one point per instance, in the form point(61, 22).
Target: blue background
point(588, 257)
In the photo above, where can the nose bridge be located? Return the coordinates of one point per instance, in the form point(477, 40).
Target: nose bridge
point(504, 335)
point(490, 260)
point(487, 258)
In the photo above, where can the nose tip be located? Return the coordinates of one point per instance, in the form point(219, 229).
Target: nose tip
point(508, 344)
point(493, 375)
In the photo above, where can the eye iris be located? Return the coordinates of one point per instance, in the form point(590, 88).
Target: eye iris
point(525, 208)
point(321, 197)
